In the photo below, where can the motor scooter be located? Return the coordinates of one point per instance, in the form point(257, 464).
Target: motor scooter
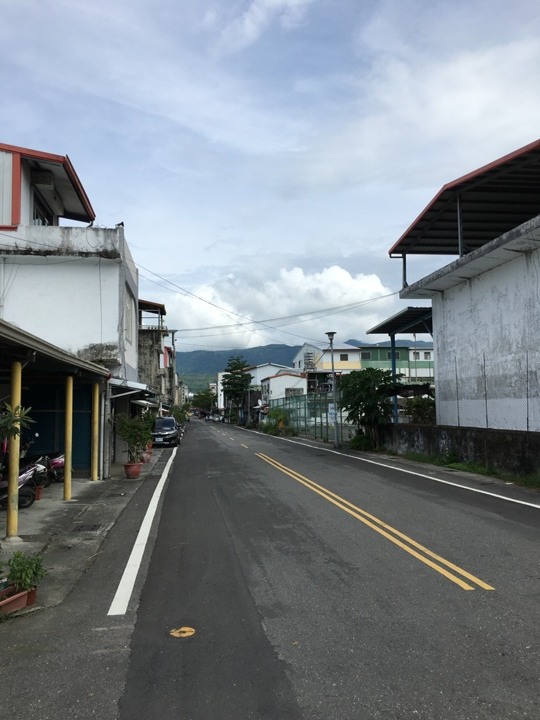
point(27, 488)
point(57, 467)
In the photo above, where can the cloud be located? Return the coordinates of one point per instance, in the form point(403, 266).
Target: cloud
point(294, 306)
point(244, 30)
point(249, 144)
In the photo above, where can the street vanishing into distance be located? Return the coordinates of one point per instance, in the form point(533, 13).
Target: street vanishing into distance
point(283, 580)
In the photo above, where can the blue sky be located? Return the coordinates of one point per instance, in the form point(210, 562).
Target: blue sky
point(264, 155)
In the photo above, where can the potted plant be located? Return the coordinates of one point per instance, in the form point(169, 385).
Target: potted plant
point(12, 421)
point(135, 432)
point(24, 575)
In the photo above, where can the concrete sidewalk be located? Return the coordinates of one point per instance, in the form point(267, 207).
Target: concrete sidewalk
point(68, 533)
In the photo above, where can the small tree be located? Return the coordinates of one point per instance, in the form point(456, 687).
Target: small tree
point(136, 433)
point(236, 381)
point(204, 400)
point(277, 422)
point(13, 420)
point(365, 395)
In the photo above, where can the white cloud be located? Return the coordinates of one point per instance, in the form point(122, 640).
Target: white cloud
point(245, 29)
point(297, 306)
point(248, 144)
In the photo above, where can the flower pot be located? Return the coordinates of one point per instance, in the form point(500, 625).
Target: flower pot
point(11, 600)
point(132, 470)
point(31, 597)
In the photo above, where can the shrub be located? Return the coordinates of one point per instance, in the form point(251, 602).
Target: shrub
point(361, 442)
point(25, 571)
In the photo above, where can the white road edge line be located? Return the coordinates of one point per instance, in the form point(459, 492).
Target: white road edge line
point(124, 591)
point(409, 472)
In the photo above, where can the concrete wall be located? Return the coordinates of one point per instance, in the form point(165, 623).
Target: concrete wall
point(487, 339)
point(505, 450)
point(75, 288)
point(278, 386)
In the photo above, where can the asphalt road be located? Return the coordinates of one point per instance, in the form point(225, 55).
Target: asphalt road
point(322, 587)
point(317, 586)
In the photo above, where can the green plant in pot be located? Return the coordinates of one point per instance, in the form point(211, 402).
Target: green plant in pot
point(25, 571)
point(24, 575)
point(135, 432)
point(12, 421)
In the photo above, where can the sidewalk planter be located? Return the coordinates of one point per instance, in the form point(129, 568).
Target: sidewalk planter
point(11, 600)
point(136, 433)
point(132, 470)
point(25, 573)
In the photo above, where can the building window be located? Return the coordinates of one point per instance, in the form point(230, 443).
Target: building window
point(344, 357)
point(416, 355)
point(365, 355)
point(427, 356)
point(41, 215)
point(389, 355)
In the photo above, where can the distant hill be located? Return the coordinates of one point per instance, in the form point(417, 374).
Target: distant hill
point(191, 365)
point(214, 361)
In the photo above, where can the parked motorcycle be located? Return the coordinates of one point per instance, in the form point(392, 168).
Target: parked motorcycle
point(57, 466)
point(27, 488)
point(45, 474)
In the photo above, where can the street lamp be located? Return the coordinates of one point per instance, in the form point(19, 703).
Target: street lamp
point(331, 336)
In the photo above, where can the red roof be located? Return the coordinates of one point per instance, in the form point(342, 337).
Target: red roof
point(491, 200)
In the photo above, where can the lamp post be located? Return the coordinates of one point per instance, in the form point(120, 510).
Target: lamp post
point(331, 336)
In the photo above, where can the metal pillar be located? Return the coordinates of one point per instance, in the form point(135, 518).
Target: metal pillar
point(12, 516)
point(69, 438)
point(94, 466)
point(394, 378)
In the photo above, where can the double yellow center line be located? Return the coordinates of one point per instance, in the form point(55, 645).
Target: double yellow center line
point(436, 562)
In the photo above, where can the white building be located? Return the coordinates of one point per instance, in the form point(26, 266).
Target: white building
point(486, 304)
point(283, 385)
point(259, 372)
point(312, 358)
point(76, 287)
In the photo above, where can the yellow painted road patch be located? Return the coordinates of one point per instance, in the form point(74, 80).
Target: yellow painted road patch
point(182, 632)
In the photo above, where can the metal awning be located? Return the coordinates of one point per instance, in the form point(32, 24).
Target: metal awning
point(477, 208)
point(44, 361)
point(412, 320)
point(121, 388)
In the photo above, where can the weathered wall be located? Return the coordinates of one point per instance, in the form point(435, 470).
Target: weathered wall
point(75, 288)
point(487, 335)
point(505, 450)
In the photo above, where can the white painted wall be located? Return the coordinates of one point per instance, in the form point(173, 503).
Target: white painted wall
point(263, 371)
point(69, 299)
point(279, 384)
point(487, 348)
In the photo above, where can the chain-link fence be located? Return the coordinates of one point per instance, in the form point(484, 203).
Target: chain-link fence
point(313, 415)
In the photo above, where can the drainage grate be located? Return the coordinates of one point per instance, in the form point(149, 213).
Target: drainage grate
point(86, 528)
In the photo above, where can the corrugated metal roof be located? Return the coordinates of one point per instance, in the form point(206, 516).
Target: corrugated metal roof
point(492, 200)
point(408, 321)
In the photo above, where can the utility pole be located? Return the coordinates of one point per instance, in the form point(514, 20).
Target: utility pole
point(331, 336)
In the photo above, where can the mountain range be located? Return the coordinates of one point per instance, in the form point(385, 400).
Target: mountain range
point(210, 362)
